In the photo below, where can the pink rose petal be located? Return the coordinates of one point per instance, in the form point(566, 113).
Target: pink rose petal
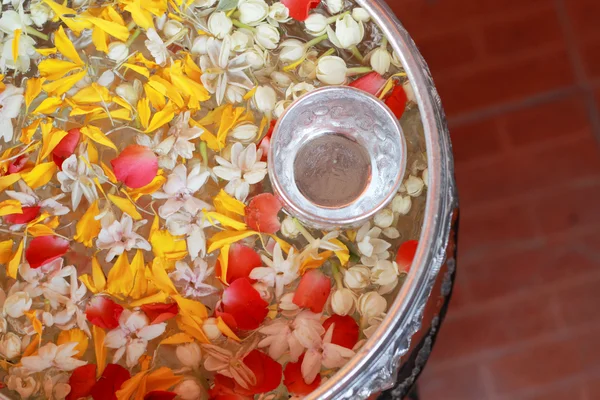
point(136, 166)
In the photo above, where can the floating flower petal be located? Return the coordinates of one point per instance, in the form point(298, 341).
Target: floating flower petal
point(44, 249)
point(313, 291)
point(261, 213)
point(136, 166)
point(103, 312)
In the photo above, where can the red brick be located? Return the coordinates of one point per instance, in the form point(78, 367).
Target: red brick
point(579, 304)
point(447, 51)
point(584, 15)
point(535, 366)
point(541, 123)
point(525, 32)
point(590, 54)
point(500, 325)
point(475, 140)
point(569, 391)
point(461, 383)
point(589, 349)
point(482, 86)
point(592, 388)
point(567, 265)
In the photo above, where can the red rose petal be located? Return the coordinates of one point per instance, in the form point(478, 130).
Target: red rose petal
point(345, 330)
point(136, 166)
point(299, 8)
point(265, 143)
point(111, 380)
point(28, 215)
point(261, 213)
point(397, 101)
point(313, 291)
point(159, 312)
point(82, 381)
point(66, 147)
point(160, 395)
point(294, 381)
point(223, 389)
point(226, 317)
point(406, 255)
point(18, 164)
point(244, 304)
point(103, 312)
point(268, 373)
point(44, 249)
point(242, 260)
point(370, 83)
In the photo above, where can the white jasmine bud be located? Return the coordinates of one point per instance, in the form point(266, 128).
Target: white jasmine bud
point(391, 233)
point(40, 13)
point(280, 108)
point(118, 51)
point(316, 24)
point(357, 277)
point(278, 12)
point(265, 99)
point(292, 50)
point(17, 304)
point(289, 229)
point(172, 28)
point(210, 329)
point(371, 305)
point(385, 273)
point(381, 61)
point(189, 355)
point(219, 24)
point(401, 204)
point(10, 346)
point(332, 70)
point(384, 218)
point(348, 32)
point(267, 36)
point(410, 93)
point(241, 40)
point(308, 68)
point(199, 46)
point(256, 57)
point(252, 12)
point(106, 79)
point(244, 132)
point(360, 14)
point(335, 6)
point(281, 79)
point(286, 302)
point(299, 89)
point(204, 3)
point(190, 389)
point(343, 302)
point(425, 176)
point(131, 92)
point(414, 186)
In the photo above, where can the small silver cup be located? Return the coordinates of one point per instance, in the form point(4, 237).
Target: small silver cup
point(337, 157)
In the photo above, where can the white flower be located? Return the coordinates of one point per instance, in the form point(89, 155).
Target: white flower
point(304, 332)
point(17, 304)
point(291, 50)
point(343, 301)
point(297, 90)
point(316, 24)
point(219, 72)
point(12, 20)
point(71, 313)
point(210, 329)
point(281, 79)
point(241, 40)
point(204, 3)
point(391, 233)
point(219, 24)
point(332, 70)
point(410, 92)
point(199, 45)
point(265, 99)
point(192, 226)
point(381, 60)
point(132, 336)
point(252, 12)
point(172, 28)
point(51, 355)
point(190, 389)
point(40, 13)
point(120, 236)
point(20, 381)
point(76, 177)
point(10, 346)
point(425, 176)
point(287, 306)
point(244, 169)
point(279, 272)
point(47, 280)
point(414, 186)
point(11, 100)
point(26, 52)
point(189, 355)
point(179, 190)
point(402, 205)
point(246, 132)
point(289, 229)
point(384, 218)
point(371, 305)
point(118, 51)
point(267, 36)
point(192, 281)
point(257, 58)
point(278, 13)
point(230, 362)
point(348, 33)
point(373, 325)
point(334, 6)
point(328, 355)
point(280, 108)
point(156, 46)
point(370, 246)
point(357, 277)
point(360, 14)
point(131, 92)
point(385, 273)
point(55, 385)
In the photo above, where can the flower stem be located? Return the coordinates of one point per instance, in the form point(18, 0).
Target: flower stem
point(175, 38)
point(384, 42)
point(331, 20)
point(358, 71)
point(133, 36)
point(327, 53)
point(303, 231)
point(131, 25)
point(203, 153)
point(239, 24)
point(356, 53)
point(337, 275)
point(316, 41)
point(31, 31)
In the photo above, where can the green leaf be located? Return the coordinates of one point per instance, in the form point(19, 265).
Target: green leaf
point(226, 5)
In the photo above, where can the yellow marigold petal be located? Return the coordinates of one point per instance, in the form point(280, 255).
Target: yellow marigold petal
point(156, 98)
point(63, 85)
point(342, 255)
point(100, 39)
point(224, 263)
point(95, 134)
point(66, 47)
point(101, 351)
point(32, 90)
point(92, 94)
point(40, 230)
point(6, 251)
point(114, 29)
point(40, 175)
point(15, 44)
point(191, 68)
point(160, 278)
point(96, 282)
point(120, 277)
point(13, 265)
point(141, 17)
point(120, 101)
point(226, 221)
point(108, 172)
point(50, 141)
point(161, 118)
point(225, 204)
point(32, 347)
point(161, 379)
point(314, 263)
point(74, 335)
point(88, 227)
point(48, 106)
point(150, 188)
point(8, 180)
point(47, 52)
point(126, 206)
point(54, 68)
point(167, 246)
point(222, 238)
point(226, 330)
point(28, 131)
point(8, 207)
point(138, 68)
point(193, 326)
point(68, 16)
point(159, 297)
point(285, 246)
point(178, 338)
point(35, 322)
point(140, 282)
point(169, 89)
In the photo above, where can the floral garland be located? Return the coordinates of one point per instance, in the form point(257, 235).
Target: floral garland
point(144, 255)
